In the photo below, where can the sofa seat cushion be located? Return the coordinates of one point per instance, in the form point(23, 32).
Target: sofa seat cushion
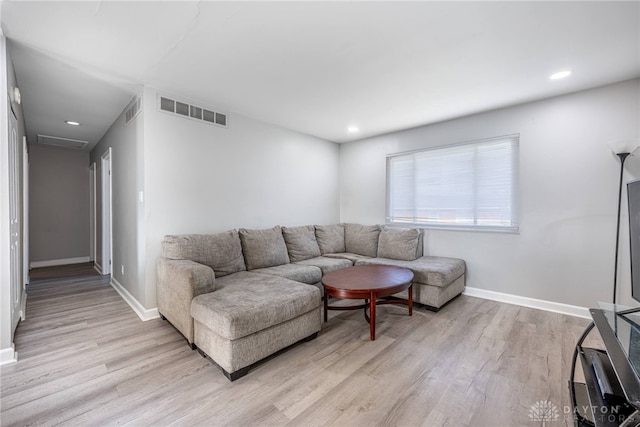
point(239, 310)
point(361, 239)
point(349, 256)
point(263, 248)
point(330, 238)
point(221, 251)
point(301, 242)
point(300, 273)
point(327, 264)
point(430, 270)
point(240, 278)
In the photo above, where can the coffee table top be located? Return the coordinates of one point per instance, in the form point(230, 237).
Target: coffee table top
point(363, 279)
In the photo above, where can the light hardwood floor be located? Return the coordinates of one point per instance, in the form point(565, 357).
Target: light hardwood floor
point(86, 359)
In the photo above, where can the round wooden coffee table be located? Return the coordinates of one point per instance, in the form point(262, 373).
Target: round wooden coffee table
point(373, 283)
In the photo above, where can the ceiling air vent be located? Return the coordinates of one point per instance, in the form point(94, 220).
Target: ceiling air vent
point(192, 111)
point(134, 108)
point(62, 142)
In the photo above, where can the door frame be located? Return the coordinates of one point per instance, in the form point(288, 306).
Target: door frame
point(92, 212)
point(107, 210)
point(25, 227)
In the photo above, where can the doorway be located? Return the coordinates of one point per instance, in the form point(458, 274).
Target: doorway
point(92, 212)
point(106, 212)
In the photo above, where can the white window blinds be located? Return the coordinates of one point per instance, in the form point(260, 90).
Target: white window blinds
point(469, 186)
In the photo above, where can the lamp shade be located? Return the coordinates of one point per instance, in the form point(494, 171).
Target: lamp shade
point(623, 145)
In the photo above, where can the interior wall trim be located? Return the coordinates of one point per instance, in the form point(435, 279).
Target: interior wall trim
point(64, 261)
point(555, 307)
point(143, 313)
point(8, 355)
point(97, 267)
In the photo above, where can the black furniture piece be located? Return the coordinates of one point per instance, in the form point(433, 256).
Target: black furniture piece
point(610, 394)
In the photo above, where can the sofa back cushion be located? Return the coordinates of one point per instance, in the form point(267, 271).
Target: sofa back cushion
point(361, 239)
point(301, 242)
point(221, 251)
point(263, 248)
point(400, 243)
point(330, 238)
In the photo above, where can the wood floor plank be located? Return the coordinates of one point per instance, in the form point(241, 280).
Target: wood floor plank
point(49, 387)
point(86, 359)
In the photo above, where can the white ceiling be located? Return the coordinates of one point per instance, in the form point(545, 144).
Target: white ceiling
point(315, 67)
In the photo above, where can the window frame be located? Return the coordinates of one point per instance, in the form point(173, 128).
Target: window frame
point(513, 228)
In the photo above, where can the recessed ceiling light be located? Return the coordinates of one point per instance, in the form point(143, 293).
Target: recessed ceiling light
point(560, 75)
point(72, 123)
point(353, 129)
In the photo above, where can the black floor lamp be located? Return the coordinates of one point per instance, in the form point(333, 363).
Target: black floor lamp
point(622, 148)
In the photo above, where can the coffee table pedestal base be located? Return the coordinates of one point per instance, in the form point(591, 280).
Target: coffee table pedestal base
point(370, 303)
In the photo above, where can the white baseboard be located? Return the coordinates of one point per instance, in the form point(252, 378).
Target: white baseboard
point(143, 313)
point(8, 355)
point(556, 307)
point(54, 262)
point(97, 267)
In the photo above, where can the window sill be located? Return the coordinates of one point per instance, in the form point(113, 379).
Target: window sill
point(481, 229)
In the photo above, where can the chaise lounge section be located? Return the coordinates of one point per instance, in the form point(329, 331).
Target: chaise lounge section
point(252, 316)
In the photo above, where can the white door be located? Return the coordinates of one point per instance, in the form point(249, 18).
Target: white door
point(15, 223)
point(106, 212)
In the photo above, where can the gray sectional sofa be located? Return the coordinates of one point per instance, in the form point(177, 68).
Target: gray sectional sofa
point(243, 295)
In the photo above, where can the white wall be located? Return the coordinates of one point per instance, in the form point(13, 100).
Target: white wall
point(201, 178)
point(568, 194)
point(59, 200)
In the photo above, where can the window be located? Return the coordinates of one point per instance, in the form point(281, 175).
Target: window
point(467, 186)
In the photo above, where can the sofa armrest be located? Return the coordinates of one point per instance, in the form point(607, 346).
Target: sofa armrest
point(179, 281)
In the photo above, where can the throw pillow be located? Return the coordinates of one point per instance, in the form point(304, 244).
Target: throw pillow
point(399, 243)
point(301, 242)
point(361, 239)
point(263, 248)
point(330, 238)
